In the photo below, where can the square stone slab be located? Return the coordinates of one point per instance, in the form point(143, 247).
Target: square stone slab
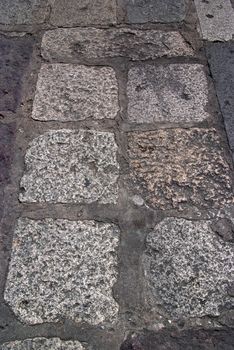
point(62, 268)
point(68, 92)
point(42, 344)
point(87, 43)
point(170, 93)
point(164, 11)
point(67, 166)
point(188, 268)
point(69, 13)
point(13, 12)
point(177, 168)
point(14, 60)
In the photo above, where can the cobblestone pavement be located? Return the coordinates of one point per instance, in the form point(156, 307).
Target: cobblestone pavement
point(116, 174)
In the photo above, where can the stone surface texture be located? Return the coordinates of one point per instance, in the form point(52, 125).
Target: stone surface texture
point(66, 166)
point(143, 11)
point(221, 60)
point(62, 268)
point(87, 43)
point(42, 344)
point(69, 93)
point(14, 59)
point(70, 13)
point(174, 93)
point(7, 135)
point(216, 19)
point(13, 12)
point(176, 168)
point(188, 268)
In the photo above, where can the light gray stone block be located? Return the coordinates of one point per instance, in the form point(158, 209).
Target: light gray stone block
point(171, 93)
point(42, 344)
point(87, 43)
point(66, 166)
point(61, 268)
point(188, 268)
point(68, 92)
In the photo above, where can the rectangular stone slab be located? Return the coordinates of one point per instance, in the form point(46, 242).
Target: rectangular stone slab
point(42, 344)
point(87, 43)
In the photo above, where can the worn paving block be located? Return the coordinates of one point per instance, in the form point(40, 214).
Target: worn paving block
point(221, 60)
point(87, 43)
point(70, 13)
point(14, 59)
point(188, 268)
point(176, 168)
point(13, 12)
point(171, 93)
point(69, 93)
point(42, 344)
point(143, 11)
point(65, 166)
point(7, 136)
point(216, 19)
point(61, 268)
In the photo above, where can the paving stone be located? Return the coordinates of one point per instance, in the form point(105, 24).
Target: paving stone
point(66, 166)
point(7, 135)
point(71, 13)
point(177, 168)
point(188, 268)
point(199, 339)
point(69, 93)
point(42, 344)
point(216, 19)
point(143, 11)
point(13, 12)
point(172, 93)
point(61, 268)
point(14, 59)
point(223, 75)
point(88, 43)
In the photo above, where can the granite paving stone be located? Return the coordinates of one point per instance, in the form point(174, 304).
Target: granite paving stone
point(68, 92)
point(188, 268)
point(13, 12)
point(177, 168)
point(61, 268)
point(221, 60)
point(69, 13)
point(167, 93)
point(42, 344)
point(87, 43)
point(71, 166)
point(165, 11)
point(14, 60)
point(216, 19)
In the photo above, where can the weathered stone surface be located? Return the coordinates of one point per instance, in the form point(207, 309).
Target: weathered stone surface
point(83, 12)
point(188, 268)
point(176, 168)
point(221, 60)
point(71, 167)
point(23, 11)
point(7, 135)
point(62, 268)
point(68, 92)
point(42, 344)
point(14, 59)
point(216, 19)
point(87, 43)
point(172, 93)
point(199, 339)
point(142, 11)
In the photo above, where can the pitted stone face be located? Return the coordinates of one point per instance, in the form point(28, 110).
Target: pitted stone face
point(67, 92)
point(172, 93)
point(177, 168)
point(42, 344)
point(188, 268)
point(66, 166)
point(61, 268)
